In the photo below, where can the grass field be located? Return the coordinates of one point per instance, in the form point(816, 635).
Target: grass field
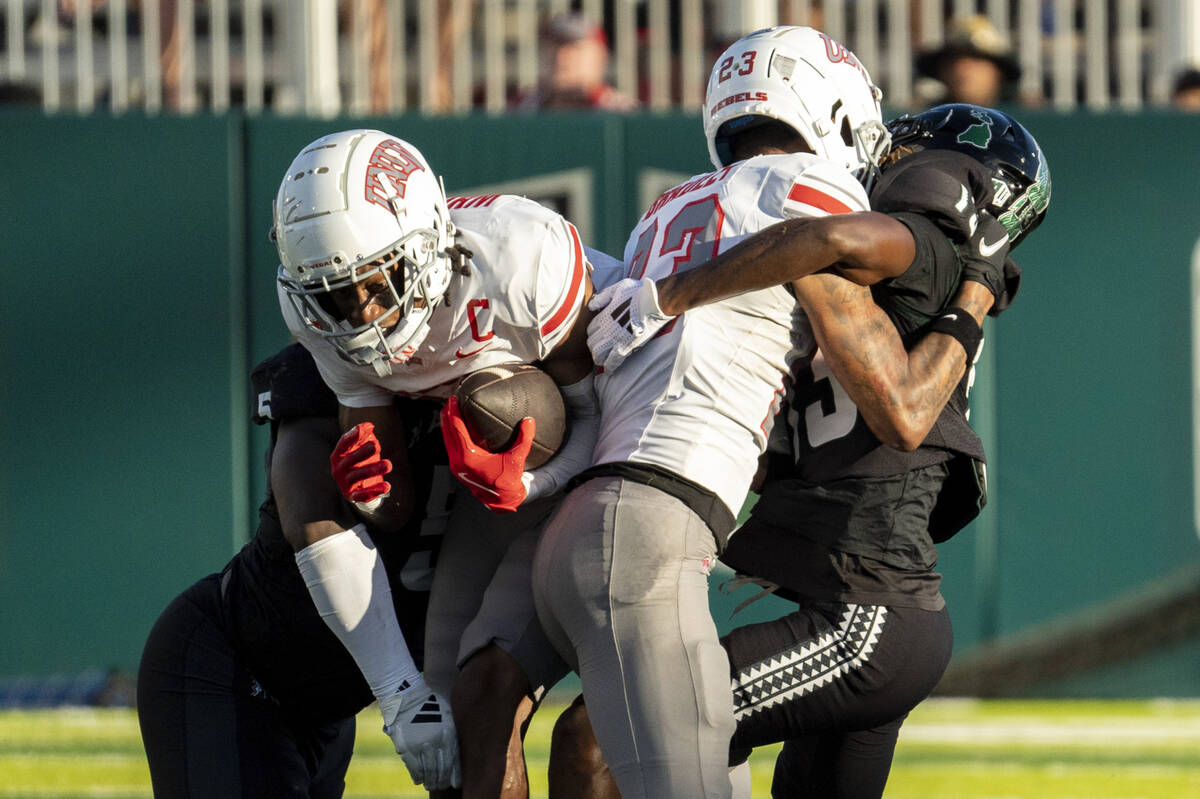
point(949, 749)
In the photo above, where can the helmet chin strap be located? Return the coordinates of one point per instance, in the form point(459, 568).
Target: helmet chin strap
point(372, 346)
point(411, 330)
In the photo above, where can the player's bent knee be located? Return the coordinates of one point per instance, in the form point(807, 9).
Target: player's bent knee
point(490, 680)
point(573, 739)
point(577, 769)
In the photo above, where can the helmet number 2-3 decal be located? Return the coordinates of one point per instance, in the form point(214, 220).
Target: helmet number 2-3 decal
point(732, 65)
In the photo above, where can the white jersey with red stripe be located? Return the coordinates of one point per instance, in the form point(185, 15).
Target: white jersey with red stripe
point(522, 293)
point(699, 398)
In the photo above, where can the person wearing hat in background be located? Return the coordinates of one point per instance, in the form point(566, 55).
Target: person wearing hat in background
point(1185, 89)
point(975, 63)
point(574, 65)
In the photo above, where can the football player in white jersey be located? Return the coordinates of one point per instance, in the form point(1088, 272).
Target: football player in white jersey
point(985, 200)
point(396, 291)
point(620, 576)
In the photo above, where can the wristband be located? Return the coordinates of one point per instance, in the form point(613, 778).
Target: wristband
point(959, 324)
point(583, 413)
point(371, 505)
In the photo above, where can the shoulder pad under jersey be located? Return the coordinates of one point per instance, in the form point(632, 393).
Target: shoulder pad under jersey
point(288, 386)
point(823, 188)
point(948, 187)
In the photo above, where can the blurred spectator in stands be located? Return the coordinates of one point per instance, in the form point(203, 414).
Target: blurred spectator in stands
point(19, 93)
point(169, 42)
point(1185, 91)
point(370, 20)
point(375, 28)
point(453, 33)
point(574, 55)
point(975, 64)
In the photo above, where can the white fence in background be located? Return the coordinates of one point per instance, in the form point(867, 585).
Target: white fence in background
point(323, 57)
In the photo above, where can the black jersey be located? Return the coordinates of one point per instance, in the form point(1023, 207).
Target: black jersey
point(269, 614)
point(842, 516)
point(827, 438)
point(820, 436)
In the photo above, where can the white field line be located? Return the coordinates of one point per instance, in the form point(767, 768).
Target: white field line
point(1083, 732)
point(83, 793)
point(1057, 770)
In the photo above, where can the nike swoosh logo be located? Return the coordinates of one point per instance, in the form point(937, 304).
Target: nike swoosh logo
point(950, 316)
point(466, 478)
point(988, 250)
point(459, 353)
point(963, 201)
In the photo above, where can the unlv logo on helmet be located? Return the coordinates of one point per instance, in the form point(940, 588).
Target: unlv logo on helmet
point(838, 53)
point(392, 163)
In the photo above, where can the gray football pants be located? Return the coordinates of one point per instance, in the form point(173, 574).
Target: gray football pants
point(481, 594)
point(620, 583)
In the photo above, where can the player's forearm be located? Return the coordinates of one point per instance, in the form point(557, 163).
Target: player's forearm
point(902, 404)
point(933, 370)
point(935, 366)
point(570, 361)
point(975, 298)
point(899, 394)
point(779, 254)
point(862, 247)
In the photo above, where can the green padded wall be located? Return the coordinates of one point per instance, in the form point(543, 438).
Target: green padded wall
point(141, 290)
point(122, 468)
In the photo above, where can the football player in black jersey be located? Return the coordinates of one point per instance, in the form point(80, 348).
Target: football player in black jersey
point(875, 463)
point(242, 688)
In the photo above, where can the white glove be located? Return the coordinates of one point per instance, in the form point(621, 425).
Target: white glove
point(419, 724)
point(628, 316)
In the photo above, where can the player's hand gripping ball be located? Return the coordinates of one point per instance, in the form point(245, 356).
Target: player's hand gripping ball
point(494, 400)
point(499, 422)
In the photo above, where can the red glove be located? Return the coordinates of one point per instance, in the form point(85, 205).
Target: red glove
point(357, 466)
point(493, 477)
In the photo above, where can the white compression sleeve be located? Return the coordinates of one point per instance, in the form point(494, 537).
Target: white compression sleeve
point(583, 418)
point(349, 586)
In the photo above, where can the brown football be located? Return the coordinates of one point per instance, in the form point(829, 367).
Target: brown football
point(494, 400)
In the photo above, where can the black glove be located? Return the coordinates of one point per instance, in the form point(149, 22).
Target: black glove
point(984, 254)
point(1012, 282)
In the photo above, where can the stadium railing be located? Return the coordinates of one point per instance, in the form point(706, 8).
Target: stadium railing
point(329, 57)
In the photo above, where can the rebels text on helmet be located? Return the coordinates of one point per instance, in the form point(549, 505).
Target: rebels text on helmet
point(740, 97)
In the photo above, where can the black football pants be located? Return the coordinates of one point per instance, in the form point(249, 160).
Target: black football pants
point(210, 730)
point(835, 682)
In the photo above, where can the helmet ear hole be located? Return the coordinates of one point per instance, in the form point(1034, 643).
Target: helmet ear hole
point(847, 133)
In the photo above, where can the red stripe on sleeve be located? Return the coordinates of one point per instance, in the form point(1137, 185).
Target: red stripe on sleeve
point(564, 310)
point(817, 199)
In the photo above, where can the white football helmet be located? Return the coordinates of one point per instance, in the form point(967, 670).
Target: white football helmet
point(352, 205)
point(806, 80)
